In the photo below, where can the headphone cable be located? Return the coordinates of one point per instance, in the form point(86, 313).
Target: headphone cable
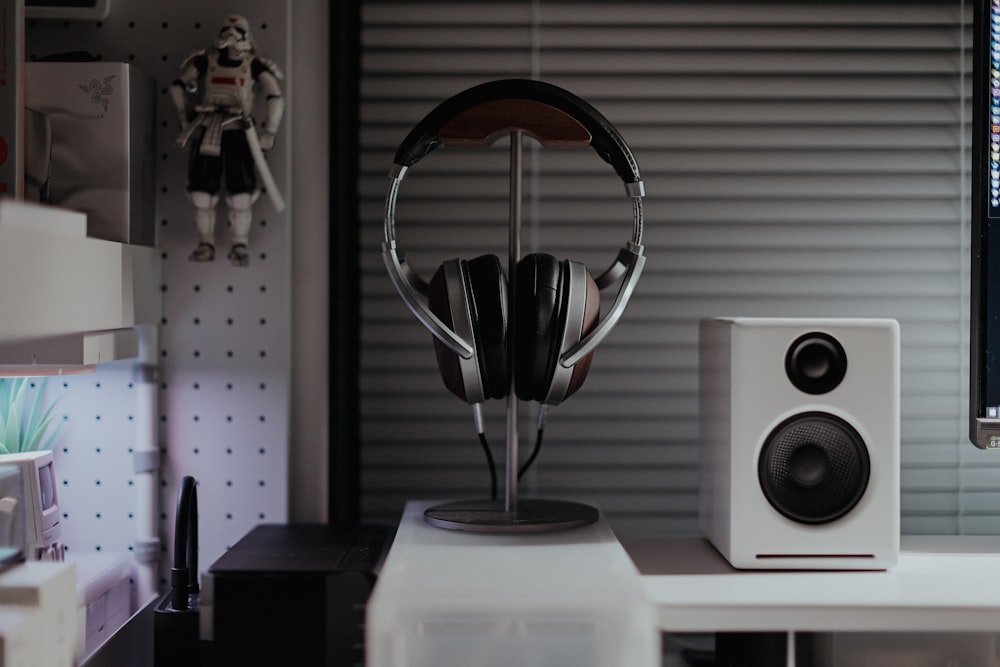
point(477, 416)
point(477, 409)
point(491, 465)
point(533, 455)
point(542, 411)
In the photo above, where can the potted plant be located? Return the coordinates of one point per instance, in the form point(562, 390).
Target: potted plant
point(24, 430)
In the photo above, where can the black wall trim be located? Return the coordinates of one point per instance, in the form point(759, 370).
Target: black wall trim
point(344, 446)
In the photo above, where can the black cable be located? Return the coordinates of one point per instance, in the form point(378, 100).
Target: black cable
point(192, 545)
point(177, 615)
point(477, 413)
point(184, 573)
point(533, 455)
point(492, 466)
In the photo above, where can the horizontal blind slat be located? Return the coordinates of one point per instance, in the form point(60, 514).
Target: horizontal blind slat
point(799, 159)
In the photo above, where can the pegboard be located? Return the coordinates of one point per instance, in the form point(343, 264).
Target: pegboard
point(225, 334)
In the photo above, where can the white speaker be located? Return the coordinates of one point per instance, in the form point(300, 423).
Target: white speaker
point(799, 429)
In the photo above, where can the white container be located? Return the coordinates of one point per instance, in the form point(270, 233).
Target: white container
point(456, 598)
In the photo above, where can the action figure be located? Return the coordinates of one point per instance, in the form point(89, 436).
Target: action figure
point(221, 137)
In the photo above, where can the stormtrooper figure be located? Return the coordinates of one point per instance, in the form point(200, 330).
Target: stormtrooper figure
point(214, 96)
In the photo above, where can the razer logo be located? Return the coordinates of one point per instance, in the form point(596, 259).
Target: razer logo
point(99, 90)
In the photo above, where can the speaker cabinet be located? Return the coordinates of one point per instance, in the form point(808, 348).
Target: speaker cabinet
point(799, 427)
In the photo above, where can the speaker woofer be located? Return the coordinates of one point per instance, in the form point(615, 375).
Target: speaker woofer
point(814, 468)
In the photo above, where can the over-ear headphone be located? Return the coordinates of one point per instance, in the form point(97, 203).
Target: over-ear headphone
point(556, 304)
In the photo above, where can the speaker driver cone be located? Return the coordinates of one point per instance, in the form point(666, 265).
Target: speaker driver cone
point(814, 467)
point(816, 363)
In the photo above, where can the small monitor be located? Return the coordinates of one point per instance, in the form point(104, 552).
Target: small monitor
point(29, 505)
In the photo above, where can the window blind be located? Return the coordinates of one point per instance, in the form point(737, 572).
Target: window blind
point(800, 159)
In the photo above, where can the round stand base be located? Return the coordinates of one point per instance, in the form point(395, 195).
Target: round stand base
point(532, 515)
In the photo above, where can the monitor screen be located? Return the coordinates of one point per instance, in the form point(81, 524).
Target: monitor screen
point(47, 486)
point(984, 394)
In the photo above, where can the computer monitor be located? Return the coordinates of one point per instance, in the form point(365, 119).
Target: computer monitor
point(29, 508)
point(984, 339)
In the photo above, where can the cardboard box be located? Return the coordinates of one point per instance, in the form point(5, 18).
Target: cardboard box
point(102, 117)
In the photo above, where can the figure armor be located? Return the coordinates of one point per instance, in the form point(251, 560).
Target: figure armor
point(223, 141)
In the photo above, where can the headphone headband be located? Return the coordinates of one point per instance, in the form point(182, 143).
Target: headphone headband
point(605, 139)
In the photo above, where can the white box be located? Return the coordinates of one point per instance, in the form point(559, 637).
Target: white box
point(104, 598)
point(22, 638)
point(456, 598)
point(102, 117)
point(48, 590)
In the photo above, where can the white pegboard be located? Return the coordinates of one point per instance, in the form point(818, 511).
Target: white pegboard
point(224, 337)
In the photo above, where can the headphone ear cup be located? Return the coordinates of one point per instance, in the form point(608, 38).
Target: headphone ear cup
point(488, 304)
point(541, 320)
point(474, 291)
point(590, 316)
point(439, 301)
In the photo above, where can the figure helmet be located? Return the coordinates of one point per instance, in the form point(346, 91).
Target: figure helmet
point(235, 34)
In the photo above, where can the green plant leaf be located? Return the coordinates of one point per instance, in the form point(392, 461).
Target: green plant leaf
point(4, 401)
point(12, 441)
point(37, 430)
point(22, 431)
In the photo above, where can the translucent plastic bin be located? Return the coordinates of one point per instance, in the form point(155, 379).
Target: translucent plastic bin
point(486, 600)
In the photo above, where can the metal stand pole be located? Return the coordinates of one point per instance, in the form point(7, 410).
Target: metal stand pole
point(514, 249)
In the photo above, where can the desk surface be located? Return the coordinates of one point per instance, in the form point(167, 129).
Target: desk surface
point(941, 583)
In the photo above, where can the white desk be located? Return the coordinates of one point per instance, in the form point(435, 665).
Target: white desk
point(444, 596)
point(941, 584)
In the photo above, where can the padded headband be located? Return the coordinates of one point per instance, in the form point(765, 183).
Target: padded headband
point(605, 139)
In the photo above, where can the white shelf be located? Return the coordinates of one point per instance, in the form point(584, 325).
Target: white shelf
point(940, 584)
point(66, 298)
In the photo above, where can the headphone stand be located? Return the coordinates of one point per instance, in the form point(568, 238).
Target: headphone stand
point(511, 515)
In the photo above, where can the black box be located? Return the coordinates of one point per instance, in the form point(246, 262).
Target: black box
point(287, 592)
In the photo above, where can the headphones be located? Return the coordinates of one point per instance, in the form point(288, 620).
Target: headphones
point(556, 321)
